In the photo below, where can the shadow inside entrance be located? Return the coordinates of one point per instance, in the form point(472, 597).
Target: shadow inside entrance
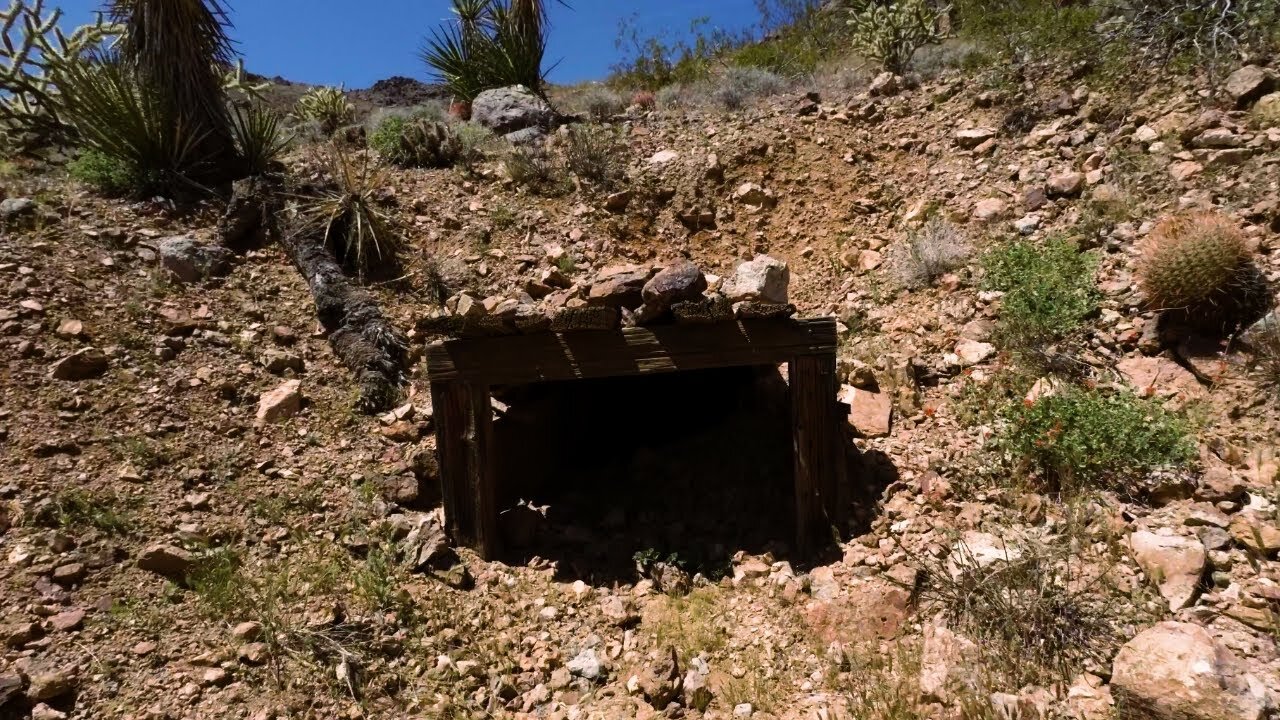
point(687, 468)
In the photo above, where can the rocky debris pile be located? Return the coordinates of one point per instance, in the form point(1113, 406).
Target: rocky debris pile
point(622, 296)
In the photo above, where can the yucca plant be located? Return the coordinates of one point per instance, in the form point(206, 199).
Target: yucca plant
point(176, 47)
point(326, 105)
point(113, 113)
point(356, 228)
point(259, 138)
point(492, 43)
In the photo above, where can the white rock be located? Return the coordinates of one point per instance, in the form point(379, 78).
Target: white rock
point(765, 278)
point(1175, 563)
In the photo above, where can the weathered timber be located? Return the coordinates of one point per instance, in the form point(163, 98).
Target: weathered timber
point(704, 311)
point(630, 351)
point(462, 372)
point(464, 436)
point(580, 319)
point(755, 310)
point(362, 338)
point(815, 433)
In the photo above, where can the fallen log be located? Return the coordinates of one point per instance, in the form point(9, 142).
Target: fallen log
point(361, 337)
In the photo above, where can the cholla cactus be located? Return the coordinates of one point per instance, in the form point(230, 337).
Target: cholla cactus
point(891, 33)
point(32, 48)
point(326, 105)
point(416, 142)
point(1192, 261)
point(235, 81)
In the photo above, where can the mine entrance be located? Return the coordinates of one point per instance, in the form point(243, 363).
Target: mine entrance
point(663, 380)
point(692, 465)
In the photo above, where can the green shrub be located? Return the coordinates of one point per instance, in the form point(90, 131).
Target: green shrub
point(108, 175)
point(1077, 438)
point(891, 33)
point(1025, 30)
point(1048, 291)
point(327, 106)
point(415, 142)
point(594, 155)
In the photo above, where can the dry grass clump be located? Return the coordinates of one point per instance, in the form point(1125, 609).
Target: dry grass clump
point(932, 251)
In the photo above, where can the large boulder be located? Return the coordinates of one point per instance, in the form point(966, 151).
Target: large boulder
point(1177, 671)
point(190, 261)
point(682, 280)
point(507, 110)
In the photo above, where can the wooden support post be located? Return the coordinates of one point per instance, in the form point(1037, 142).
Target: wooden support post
point(464, 437)
point(815, 434)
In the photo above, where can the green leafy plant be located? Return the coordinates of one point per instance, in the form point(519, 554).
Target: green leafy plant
point(415, 142)
point(327, 106)
point(472, 141)
point(108, 175)
point(593, 155)
point(890, 33)
point(1048, 290)
point(359, 231)
point(259, 137)
point(1077, 438)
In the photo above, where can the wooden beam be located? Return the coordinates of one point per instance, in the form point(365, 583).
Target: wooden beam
point(815, 432)
point(632, 351)
point(464, 438)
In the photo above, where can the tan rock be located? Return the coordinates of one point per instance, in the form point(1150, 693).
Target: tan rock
point(1160, 377)
point(282, 403)
point(870, 413)
point(1175, 564)
point(1177, 671)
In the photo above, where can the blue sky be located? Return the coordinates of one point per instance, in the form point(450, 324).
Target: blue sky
point(326, 42)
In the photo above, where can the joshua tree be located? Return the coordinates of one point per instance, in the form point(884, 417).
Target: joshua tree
point(177, 48)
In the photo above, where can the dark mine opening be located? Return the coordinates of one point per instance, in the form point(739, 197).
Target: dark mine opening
point(689, 467)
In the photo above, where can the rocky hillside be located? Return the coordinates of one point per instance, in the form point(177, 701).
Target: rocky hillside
point(198, 524)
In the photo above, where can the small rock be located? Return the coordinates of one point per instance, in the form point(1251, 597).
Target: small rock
point(1175, 564)
point(83, 364)
point(972, 352)
point(190, 262)
point(167, 560)
point(886, 84)
point(764, 278)
point(680, 281)
point(618, 202)
point(973, 137)
point(277, 362)
point(1068, 184)
point(1249, 83)
point(49, 685)
point(753, 195)
point(870, 413)
point(586, 665)
point(44, 712)
point(248, 631)
point(282, 403)
point(67, 621)
point(68, 574)
point(989, 209)
point(16, 207)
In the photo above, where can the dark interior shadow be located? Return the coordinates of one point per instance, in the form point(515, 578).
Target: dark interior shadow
point(693, 466)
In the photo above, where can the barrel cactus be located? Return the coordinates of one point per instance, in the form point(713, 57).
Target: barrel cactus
point(1193, 261)
point(416, 142)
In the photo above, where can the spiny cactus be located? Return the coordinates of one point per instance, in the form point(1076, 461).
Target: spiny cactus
point(32, 48)
point(235, 81)
point(416, 142)
point(1192, 261)
point(891, 33)
point(326, 105)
